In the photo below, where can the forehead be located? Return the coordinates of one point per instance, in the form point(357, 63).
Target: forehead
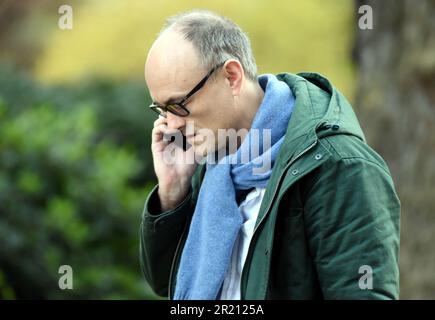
point(172, 67)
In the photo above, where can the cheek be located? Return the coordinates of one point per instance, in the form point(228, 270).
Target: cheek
point(215, 111)
point(222, 116)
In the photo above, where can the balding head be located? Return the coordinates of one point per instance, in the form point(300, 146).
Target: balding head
point(216, 39)
point(172, 66)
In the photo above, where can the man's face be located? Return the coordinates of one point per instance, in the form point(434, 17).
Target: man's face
point(172, 70)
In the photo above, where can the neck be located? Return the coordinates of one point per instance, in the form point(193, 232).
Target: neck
point(249, 104)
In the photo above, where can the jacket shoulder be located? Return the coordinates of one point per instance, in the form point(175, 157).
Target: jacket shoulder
point(345, 147)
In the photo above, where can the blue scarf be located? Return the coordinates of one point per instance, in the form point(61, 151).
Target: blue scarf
point(216, 221)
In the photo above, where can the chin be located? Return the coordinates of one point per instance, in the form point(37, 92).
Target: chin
point(203, 150)
point(200, 150)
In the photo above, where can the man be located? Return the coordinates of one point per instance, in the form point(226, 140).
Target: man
point(322, 222)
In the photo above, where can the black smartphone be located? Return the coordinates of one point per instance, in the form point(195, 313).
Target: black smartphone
point(179, 139)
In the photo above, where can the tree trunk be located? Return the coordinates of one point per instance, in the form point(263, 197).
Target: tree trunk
point(395, 103)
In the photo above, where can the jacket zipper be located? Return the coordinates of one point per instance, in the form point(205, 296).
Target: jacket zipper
point(276, 188)
point(270, 203)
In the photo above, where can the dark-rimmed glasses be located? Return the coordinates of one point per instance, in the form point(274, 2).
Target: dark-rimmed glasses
point(178, 108)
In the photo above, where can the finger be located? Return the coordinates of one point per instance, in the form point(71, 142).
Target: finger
point(157, 133)
point(160, 120)
point(162, 133)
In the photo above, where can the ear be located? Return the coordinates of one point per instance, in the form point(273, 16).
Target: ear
point(235, 75)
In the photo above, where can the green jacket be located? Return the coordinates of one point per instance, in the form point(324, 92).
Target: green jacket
point(330, 209)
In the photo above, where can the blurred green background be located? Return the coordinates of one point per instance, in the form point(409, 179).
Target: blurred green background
point(75, 160)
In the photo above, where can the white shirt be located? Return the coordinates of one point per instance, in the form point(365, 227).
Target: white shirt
point(249, 209)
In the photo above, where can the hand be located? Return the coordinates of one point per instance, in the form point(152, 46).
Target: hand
point(174, 177)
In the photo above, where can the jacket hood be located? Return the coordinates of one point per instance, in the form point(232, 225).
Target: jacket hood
point(320, 110)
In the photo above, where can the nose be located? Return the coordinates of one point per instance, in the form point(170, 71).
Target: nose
point(174, 121)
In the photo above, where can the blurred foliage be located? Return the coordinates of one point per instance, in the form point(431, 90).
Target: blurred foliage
point(17, 44)
point(111, 38)
point(72, 183)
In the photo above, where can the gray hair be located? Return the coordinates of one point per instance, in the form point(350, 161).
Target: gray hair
point(216, 38)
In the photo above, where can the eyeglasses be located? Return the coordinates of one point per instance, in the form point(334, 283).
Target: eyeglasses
point(178, 108)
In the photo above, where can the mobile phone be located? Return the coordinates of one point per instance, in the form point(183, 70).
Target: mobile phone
point(179, 139)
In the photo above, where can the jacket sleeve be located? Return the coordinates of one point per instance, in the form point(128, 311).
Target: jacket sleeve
point(159, 237)
point(352, 216)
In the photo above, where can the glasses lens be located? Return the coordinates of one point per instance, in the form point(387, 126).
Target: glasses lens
point(177, 110)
